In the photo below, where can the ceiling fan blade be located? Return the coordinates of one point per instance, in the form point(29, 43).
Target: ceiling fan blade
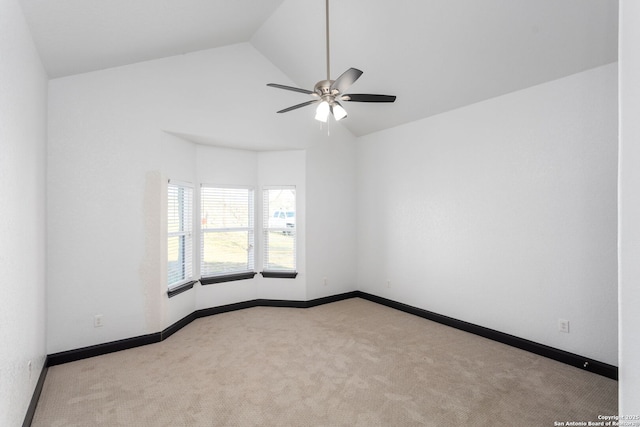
point(366, 97)
point(346, 79)
point(304, 104)
point(295, 89)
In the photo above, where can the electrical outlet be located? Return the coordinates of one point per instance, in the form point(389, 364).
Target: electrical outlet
point(97, 321)
point(563, 325)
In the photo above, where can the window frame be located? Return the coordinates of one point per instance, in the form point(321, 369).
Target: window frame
point(229, 275)
point(289, 231)
point(186, 231)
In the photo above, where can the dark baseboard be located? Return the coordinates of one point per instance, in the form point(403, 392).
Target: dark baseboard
point(576, 360)
point(275, 303)
point(253, 303)
point(113, 346)
point(177, 326)
point(31, 411)
point(225, 308)
point(332, 298)
point(100, 349)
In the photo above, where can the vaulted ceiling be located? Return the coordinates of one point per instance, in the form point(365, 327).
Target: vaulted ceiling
point(435, 55)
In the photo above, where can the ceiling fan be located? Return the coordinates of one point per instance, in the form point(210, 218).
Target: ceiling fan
point(328, 93)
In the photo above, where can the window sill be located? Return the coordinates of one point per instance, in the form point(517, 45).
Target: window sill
point(181, 288)
point(227, 278)
point(279, 274)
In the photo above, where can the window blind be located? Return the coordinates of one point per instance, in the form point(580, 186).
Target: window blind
point(179, 234)
point(227, 230)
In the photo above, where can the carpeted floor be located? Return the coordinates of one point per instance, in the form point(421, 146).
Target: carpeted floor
point(348, 363)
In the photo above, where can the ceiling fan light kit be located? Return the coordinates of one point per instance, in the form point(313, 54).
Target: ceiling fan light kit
point(322, 112)
point(338, 112)
point(327, 93)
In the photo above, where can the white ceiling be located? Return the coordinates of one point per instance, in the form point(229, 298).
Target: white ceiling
point(76, 36)
point(435, 55)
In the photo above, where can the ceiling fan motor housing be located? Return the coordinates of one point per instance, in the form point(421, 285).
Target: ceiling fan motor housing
point(323, 88)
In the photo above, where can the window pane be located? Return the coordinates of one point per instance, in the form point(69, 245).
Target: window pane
point(227, 218)
point(226, 252)
point(175, 258)
point(279, 218)
point(281, 251)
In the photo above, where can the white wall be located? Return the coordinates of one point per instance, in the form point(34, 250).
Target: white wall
point(502, 213)
point(331, 215)
point(629, 207)
point(23, 98)
point(117, 135)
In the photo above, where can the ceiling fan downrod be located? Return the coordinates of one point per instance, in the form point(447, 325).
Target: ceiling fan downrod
point(327, 32)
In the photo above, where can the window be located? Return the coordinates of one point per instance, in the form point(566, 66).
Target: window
point(227, 233)
point(179, 234)
point(279, 225)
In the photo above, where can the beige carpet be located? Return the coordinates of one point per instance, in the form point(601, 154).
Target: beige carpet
point(349, 363)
